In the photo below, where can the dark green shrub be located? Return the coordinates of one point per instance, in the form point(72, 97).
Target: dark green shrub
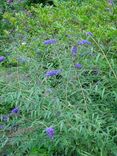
point(50, 2)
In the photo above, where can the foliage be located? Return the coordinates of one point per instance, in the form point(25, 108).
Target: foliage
point(41, 1)
point(79, 103)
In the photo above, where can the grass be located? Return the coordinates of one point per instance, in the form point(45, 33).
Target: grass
point(80, 104)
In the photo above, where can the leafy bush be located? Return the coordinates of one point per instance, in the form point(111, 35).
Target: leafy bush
point(64, 79)
point(40, 1)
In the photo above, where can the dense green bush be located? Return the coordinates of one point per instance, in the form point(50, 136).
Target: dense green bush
point(41, 1)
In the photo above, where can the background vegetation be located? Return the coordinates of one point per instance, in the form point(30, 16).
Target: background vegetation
point(80, 104)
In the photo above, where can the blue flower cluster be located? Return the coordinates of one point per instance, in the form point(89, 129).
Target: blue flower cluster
point(74, 50)
point(84, 42)
point(50, 132)
point(51, 41)
point(9, 1)
point(2, 58)
point(53, 73)
point(5, 118)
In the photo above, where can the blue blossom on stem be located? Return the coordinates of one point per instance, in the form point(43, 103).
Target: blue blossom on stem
point(9, 1)
point(2, 58)
point(53, 73)
point(89, 33)
point(51, 41)
point(74, 50)
point(50, 132)
point(78, 65)
point(84, 42)
point(1, 126)
point(110, 2)
point(15, 110)
point(5, 118)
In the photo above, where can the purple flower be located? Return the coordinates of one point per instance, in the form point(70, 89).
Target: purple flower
point(15, 110)
point(110, 2)
point(9, 1)
point(89, 33)
point(5, 118)
point(53, 73)
point(51, 41)
point(2, 58)
point(84, 42)
point(1, 126)
point(78, 65)
point(50, 132)
point(74, 50)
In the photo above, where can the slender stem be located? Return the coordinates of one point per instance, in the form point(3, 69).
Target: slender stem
point(105, 57)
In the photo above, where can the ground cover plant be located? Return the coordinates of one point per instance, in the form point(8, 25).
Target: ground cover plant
point(58, 79)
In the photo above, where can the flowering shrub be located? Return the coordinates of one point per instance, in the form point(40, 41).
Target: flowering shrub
point(60, 98)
